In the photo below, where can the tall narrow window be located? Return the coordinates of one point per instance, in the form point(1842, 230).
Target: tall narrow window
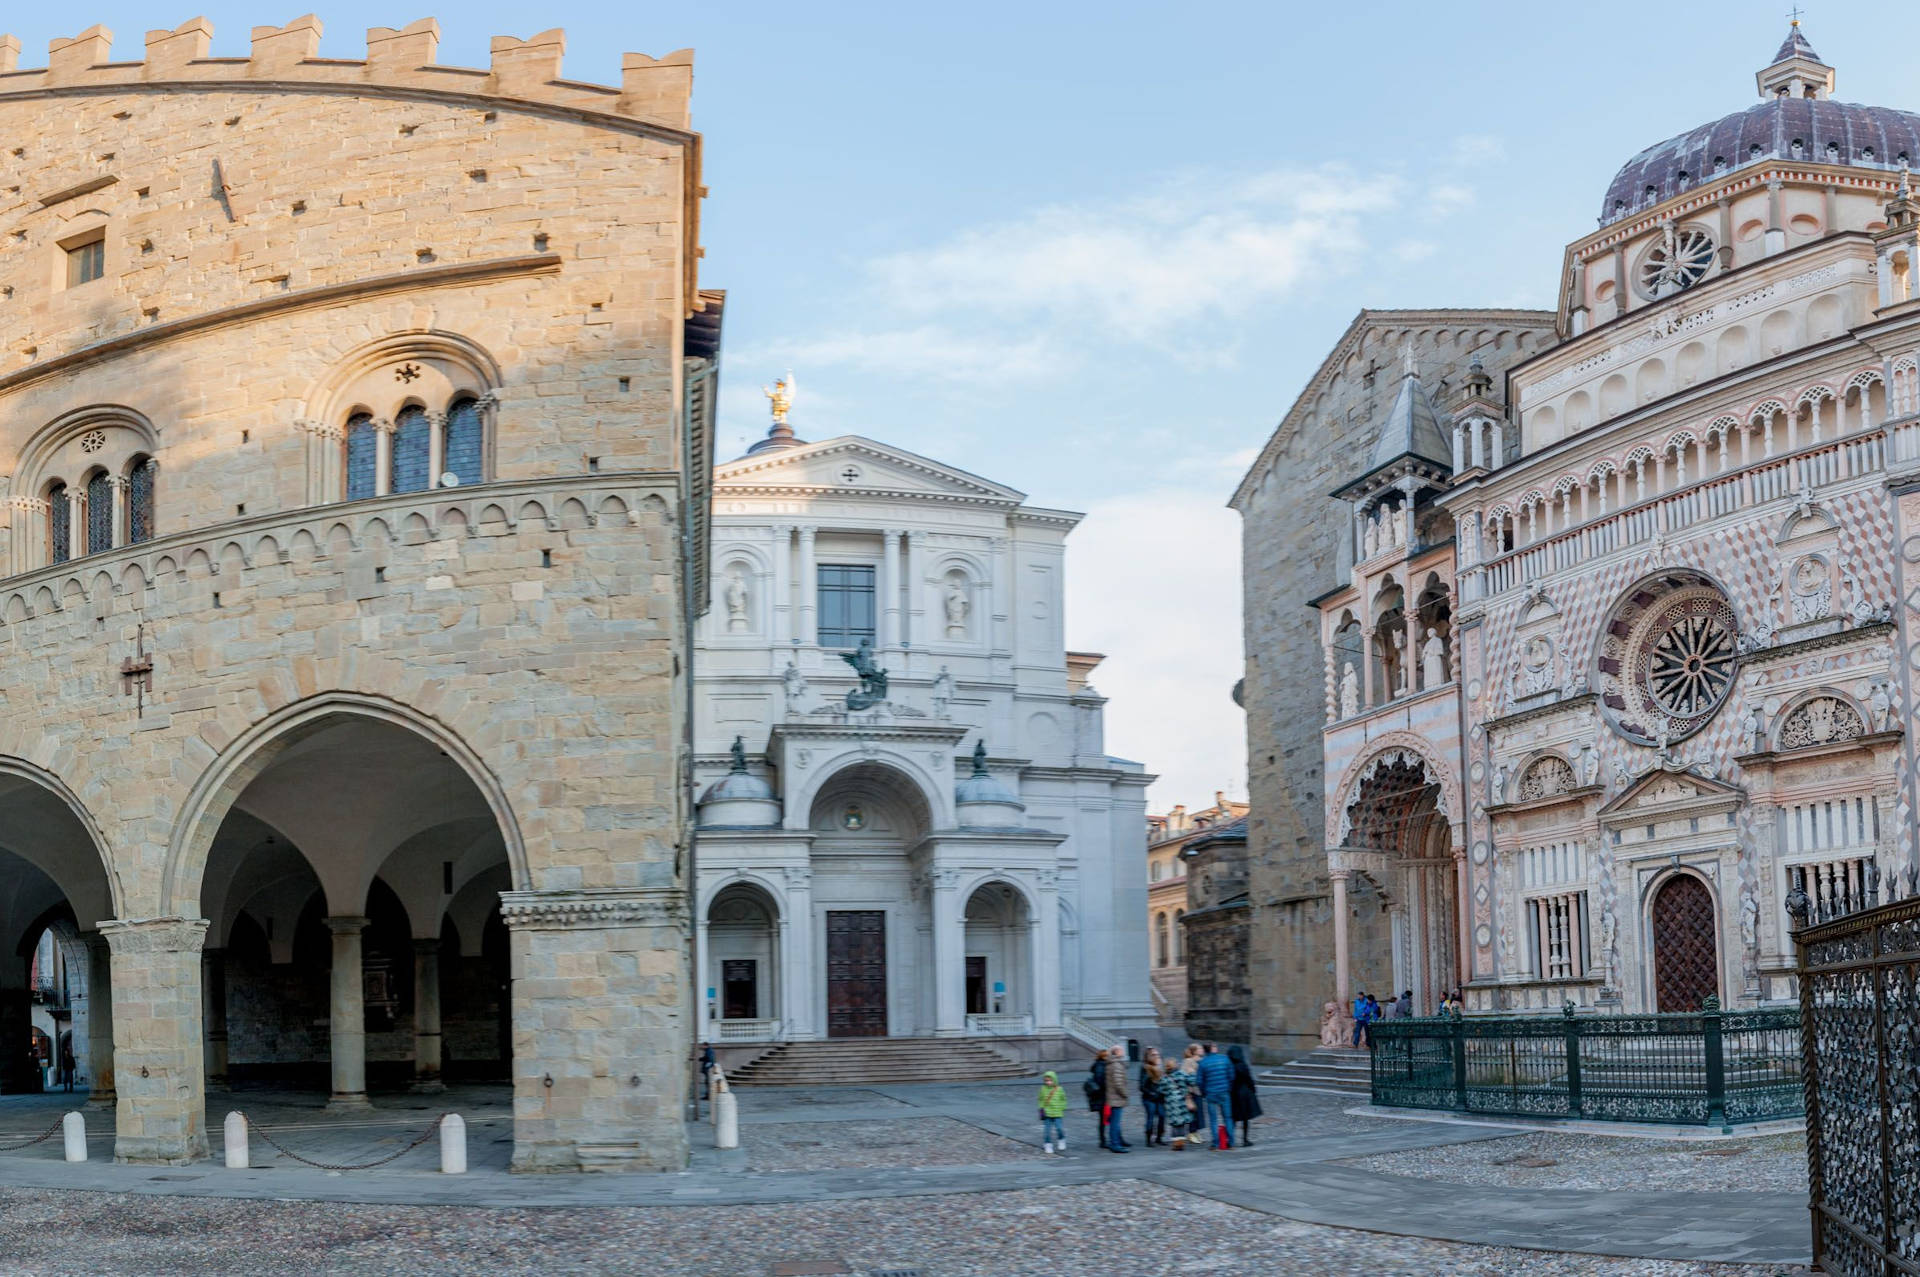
point(463, 441)
point(59, 524)
point(99, 513)
point(140, 500)
point(86, 262)
point(846, 605)
point(412, 436)
point(360, 452)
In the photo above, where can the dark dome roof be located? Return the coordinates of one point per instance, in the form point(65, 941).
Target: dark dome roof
point(1829, 132)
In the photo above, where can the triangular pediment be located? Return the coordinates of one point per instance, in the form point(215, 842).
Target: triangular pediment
point(1661, 791)
point(853, 466)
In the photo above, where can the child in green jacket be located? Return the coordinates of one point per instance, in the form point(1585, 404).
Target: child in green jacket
point(1053, 1107)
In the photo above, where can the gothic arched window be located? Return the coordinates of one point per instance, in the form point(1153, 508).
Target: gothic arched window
point(139, 500)
point(59, 524)
point(1179, 936)
point(99, 513)
point(412, 438)
point(463, 441)
point(1160, 940)
point(362, 446)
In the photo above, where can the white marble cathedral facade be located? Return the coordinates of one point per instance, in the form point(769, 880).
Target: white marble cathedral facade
point(958, 858)
point(1624, 653)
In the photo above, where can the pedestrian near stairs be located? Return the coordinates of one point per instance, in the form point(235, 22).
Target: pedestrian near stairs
point(1117, 1097)
point(1216, 1085)
point(1151, 1103)
point(1243, 1095)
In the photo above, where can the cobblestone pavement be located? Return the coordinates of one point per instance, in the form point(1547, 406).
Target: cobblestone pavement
point(926, 1141)
point(1127, 1228)
point(1776, 1163)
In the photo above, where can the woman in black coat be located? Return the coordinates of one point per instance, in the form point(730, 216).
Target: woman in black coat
point(1245, 1095)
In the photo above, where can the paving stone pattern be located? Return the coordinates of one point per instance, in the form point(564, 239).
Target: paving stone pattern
point(1775, 1163)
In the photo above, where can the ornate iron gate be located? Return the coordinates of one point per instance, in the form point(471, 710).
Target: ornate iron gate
point(1860, 1016)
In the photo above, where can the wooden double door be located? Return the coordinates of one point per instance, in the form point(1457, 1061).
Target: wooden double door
point(1686, 956)
point(856, 973)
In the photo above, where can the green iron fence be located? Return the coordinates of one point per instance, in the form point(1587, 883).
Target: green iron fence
point(1712, 1068)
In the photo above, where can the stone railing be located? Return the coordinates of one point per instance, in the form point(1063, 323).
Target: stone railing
point(745, 1031)
point(1683, 511)
point(1089, 1035)
point(223, 551)
point(1010, 1023)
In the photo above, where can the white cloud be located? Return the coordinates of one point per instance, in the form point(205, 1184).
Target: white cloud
point(1142, 269)
point(916, 351)
point(1153, 580)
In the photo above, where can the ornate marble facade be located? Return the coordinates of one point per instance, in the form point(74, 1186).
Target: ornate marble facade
point(1632, 657)
point(919, 832)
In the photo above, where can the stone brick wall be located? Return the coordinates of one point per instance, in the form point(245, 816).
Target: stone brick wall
point(1293, 548)
point(275, 227)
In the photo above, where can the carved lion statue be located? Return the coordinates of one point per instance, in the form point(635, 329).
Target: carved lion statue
point(1335, 1028)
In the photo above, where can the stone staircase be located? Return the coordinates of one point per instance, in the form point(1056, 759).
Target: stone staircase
point(863, 1061)
point(1333, 1070)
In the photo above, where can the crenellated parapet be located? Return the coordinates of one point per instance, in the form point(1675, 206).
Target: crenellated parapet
point(654, 91)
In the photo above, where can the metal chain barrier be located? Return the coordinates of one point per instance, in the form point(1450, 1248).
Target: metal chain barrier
point(261, 1131)
point(41, 1138)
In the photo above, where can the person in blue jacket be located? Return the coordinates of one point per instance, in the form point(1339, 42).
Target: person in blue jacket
point(1216, 1088)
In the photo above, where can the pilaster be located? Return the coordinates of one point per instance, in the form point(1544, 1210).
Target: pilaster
point(601, 1032)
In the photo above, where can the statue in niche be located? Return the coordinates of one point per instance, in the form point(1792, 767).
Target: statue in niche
point(1349, 692)
point(794, 684)
point(1400, 670)
point(1589, 764)
point(1370, 536)
point(957, 608)
point(1880, 706)
point(1754, 728)
point(1861, 611)
point(1433, 660)
point(1609, 925)
point(873, 680)
point(1749, 921)
point(736, 600)
point(942, 692)
point(1500, 783)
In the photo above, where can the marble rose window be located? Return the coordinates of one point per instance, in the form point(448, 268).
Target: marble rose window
point(1668, 658)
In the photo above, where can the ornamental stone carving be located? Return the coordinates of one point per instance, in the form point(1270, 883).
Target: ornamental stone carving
point(1824, 720)
point(1548, 777)
point(591, 910)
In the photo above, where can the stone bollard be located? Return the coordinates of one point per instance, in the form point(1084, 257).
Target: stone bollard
point(73, 1129)
point(726, 1120)
point(236, 1131)
point(716, 1086)
point(453, 1145)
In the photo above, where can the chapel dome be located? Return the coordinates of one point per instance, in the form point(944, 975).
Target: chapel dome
point(1796, 120)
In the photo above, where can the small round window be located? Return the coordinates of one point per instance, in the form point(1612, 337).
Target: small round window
point(1677, 260)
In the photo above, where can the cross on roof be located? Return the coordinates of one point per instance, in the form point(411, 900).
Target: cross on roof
point(1793, 15)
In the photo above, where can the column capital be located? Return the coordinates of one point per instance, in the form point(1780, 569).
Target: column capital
point(1340, 875)
point(892, 535)
point(346, 926)
point(383, 425)
point(133, 937)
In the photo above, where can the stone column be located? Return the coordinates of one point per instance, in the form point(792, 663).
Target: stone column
point(809, 631)
point(382, 456)
point(426, 1016)
point(213, 972)
point(890, 589)
point(949, 956)
point(705, 1017)
point(436, 448)
point(1884, 262)
point(1497, 454)
point(76, 522)
point(99, 1021)
point(1342, 976)
point(601, 1040)
point(780, 614)
point(1046, 955)
point(159, 1063)
point(1776, 241)
point(1463, 909)
point(120, 487)
point(799, 993)
point(347, 1014)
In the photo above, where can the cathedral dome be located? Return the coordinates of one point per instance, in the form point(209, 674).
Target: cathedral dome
point(981, 801)
point(1796, 120)
point(739, 799)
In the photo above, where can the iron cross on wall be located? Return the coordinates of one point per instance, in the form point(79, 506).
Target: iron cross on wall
point(136, 672)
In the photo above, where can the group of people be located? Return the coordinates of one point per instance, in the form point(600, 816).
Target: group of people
point(1367, 1009)
point(1196, 1101)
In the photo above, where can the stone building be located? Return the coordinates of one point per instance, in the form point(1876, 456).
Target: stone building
point(354, 419)
point(1621, 653)
point(909, 824)
point(1219, 934)
point(1294, 547)
point(1167, 838)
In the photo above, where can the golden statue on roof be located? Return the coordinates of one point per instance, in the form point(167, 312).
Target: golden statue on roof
point(780, 395)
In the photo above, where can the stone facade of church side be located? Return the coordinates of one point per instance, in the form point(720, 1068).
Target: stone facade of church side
point(284, 236)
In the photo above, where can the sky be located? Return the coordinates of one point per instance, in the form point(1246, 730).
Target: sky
point(1094, 251)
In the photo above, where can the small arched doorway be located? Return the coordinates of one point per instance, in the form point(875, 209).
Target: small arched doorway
point(1686, 967)
point(997, 956)
point(742, 948)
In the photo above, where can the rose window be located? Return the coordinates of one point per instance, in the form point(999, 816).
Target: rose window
point(1668, 658)
point(1677, 260)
